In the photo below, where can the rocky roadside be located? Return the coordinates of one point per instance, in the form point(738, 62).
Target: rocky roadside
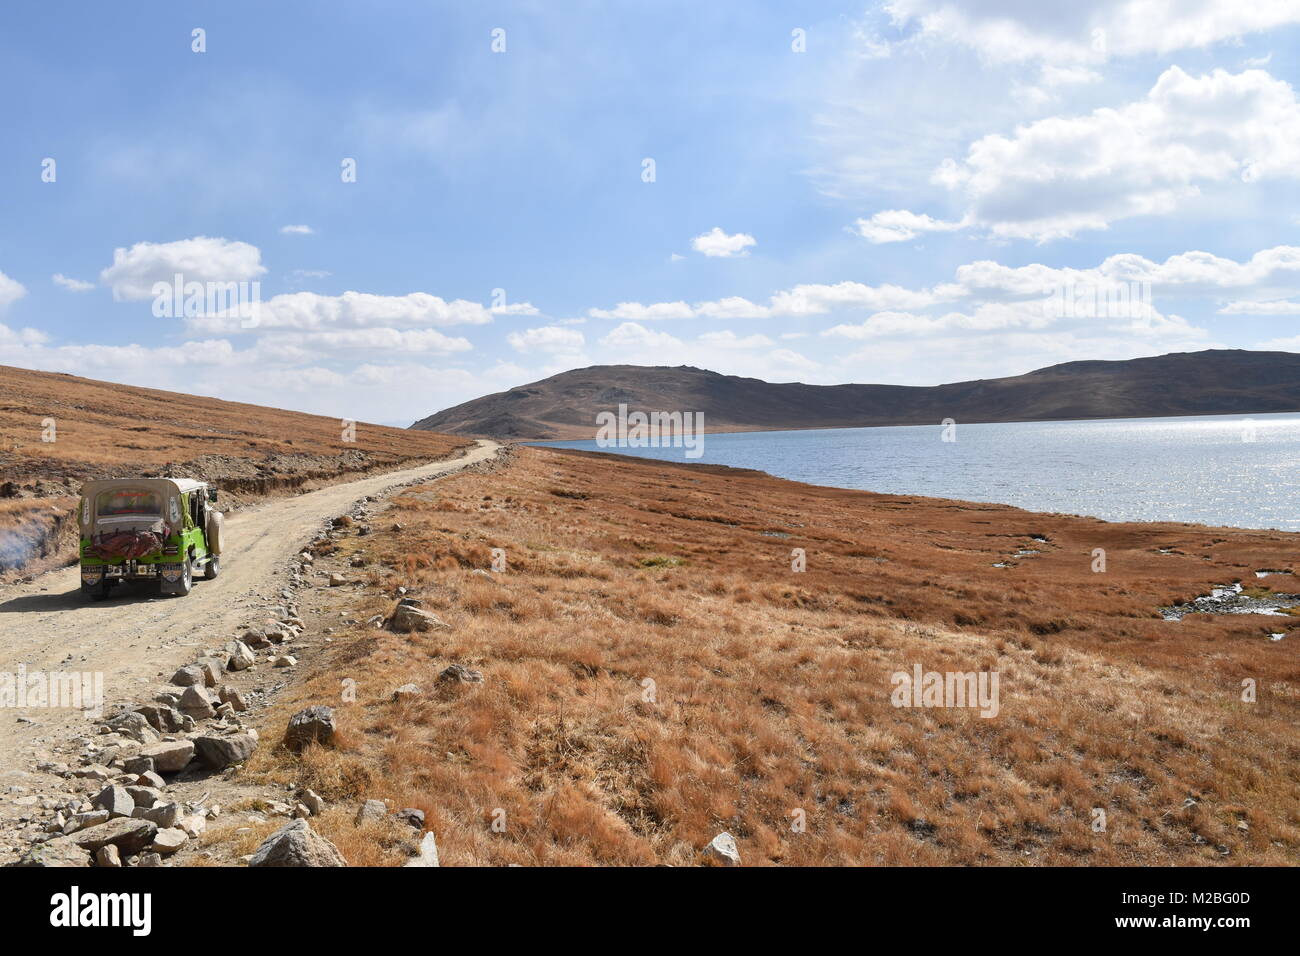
point(158, 778)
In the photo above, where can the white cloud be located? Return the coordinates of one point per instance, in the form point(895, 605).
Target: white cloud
point(201, 259)
point(1088, 31)
point(1059, 176)
point(629, 335)
point(72, 285)
point(11, 291)
point(296, 230)
point(899, 225)
point(515, 308)
point(717, 243)
point(637, 312)
point(547, 338)
point(309, 311)
point(1276, 307)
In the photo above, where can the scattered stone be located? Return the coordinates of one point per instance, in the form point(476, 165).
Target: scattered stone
point(197, 703)
point(220, 752)
point(722, 851)
point(108, 856)
point(284, 660)
point(150, 779)
point(461, 674)
point(150, 859)
point(80, 821)
point(232, 696)
point(371, 812)
point(428, 853)
point(313, 801)
point(297, 844)
point(167, 815)
point(407, 618)
point(241, 657)
point(169, 757)
point(145, 796)
point(139, 766)
point(162, 718)
point(168, 841)
point(212, 671)
point(194, 825)
point(411, 817)
point(135, 726)
point(115, 800)
point(337, 580)
point(406, 692)
point(188, 676)
point(128, 835)
point(313, 725)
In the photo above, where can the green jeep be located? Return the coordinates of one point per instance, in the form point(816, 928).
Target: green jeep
point(135, 529)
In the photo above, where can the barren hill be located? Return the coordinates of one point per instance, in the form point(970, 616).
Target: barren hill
point(1225, 381)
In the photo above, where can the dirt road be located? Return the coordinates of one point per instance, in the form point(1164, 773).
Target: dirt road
point(136, 639)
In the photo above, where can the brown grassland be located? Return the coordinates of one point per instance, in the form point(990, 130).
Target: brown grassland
point(771, 689)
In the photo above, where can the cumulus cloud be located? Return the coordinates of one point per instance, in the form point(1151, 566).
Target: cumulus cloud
point(201, 259)
point(310, 311)
point(1087, 31)
point(11, 291)
point(718, 244)
point(629, 335)
point(1059, 176)
point(72, 285)
point(899, 225)
point(547, 338)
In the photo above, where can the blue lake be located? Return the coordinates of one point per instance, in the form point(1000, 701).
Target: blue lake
point(1234, 470)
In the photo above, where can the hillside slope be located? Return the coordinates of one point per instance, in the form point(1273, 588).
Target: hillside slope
point(1185, 383)
point(57, 431)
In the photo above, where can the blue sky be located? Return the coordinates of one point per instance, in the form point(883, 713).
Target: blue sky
point(898, 192)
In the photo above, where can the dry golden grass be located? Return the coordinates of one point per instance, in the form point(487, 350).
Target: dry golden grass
point(771, 689)
point(102, 425)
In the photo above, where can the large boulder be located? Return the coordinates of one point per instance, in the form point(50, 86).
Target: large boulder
point(297, 844)
point(220, 752)
point(313, 725)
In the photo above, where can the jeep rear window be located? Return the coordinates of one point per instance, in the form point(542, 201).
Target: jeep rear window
point(117, 503)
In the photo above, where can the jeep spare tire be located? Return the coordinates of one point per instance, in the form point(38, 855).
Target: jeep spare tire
point(213, 531)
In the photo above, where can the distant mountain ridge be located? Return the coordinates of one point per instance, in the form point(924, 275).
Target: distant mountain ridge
point(564, 406)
